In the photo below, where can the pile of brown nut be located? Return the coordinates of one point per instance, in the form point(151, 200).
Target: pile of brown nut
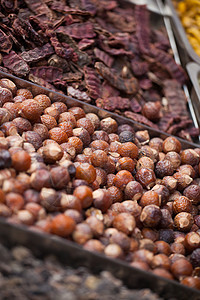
point(103, 185)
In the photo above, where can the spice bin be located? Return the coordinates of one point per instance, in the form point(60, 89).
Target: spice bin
point(185, 49)
point(71, 253)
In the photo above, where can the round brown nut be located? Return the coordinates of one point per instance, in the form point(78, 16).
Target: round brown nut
point(146, 177)
point(182, 204)
point(181, 267)
point(102, 199)
point(30, 109)
point(150, 216)
point(183, 221)
point(86, 172)
point(62, 225)
point(43, 101)
point(8, 84)
point(109, 125)
point(52, 153)
point(171, 144)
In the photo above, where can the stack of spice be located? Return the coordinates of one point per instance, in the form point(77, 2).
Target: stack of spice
point(100, 184)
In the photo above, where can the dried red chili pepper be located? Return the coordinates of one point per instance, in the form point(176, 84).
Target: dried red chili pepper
point(5, 42)
point(16, 64)
point(49, 74)
point(129, 86)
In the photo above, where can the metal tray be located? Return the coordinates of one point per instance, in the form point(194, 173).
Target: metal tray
point(74, 255)
point(193, 70)
point(186, 51)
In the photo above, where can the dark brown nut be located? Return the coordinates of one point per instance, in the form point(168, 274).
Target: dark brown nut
point(131, 207)
point(133, 190)
point(94, 245)
point(143, 255)
point(182, 204)
point(128, 149)
point(171, 144)
point(140, 265)
point(115, 194)
point(43, 101)
point(166, 219)
point(170, 182)
point(150, 197)
point(142, 136)
point(150, 216)
point(183, 221)
point(148, 245)
point(160, 261)
point(102, 199)
point(175, 256)
point(86, 172)
point(61, 107)
point(164, 168)
point(178, 248)
point(125, 163)
point(67, 128)
point(30, 109)
point(101, 176)
point(174, 158)
point(126, 136)
point(187, 169)
point(99, 158)
point(100, 135)
point(70, 202)
point(193, 193)
point(5, 115)
point(52, 111)
point(21, 161)
point(124, 222)
point(25, 93)
point(50, 199)
point(14, 201)
point(8, 128)
point(5, 96)
point(109, 125)
point(86, 124)
point(149, 233)
point(146, 151)
point(181, 268)
point(119, 238)
point(163, 273)
point(78, 112)
point(36, 210)
point(34, 138)
point(110, 178)
point(94, 119)
point(146, 177)
point(166, 235)
point(99, 145)
point(83, 135)
point(195, 258)
point(96, 226)
point(74, 214)
point(52, 152)
point(67, 117)
point(192, 282)
point(48, 121)
point(151, 110)
point(76, 143)
point(82, 233)
point(190, 157)
point(13, 109)
point(192, 241)
point(62, 225)
point(25, 217)
point(5, 211)
point(32, 196)
point(163, 248)
point(59, 177)
point(113, 251)
point(22, 125)
point(122, 178)
point(197, 220)
point(183, 180)
point(125, 127)
point(109, 166)
point(8, 84)
point(145, 162)
point(162, 192)
point(42, 130)
point(113, 137)
point(156, 143)
point(84, 194)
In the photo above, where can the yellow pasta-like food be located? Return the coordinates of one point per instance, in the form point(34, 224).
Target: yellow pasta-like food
point(189, 13)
